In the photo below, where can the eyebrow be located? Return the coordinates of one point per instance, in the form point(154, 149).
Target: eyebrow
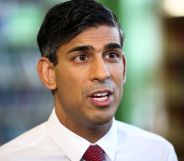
point(89, 47)
point(81, 48)
point(113, 46)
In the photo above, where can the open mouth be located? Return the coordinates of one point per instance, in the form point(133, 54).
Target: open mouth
point(101, 98)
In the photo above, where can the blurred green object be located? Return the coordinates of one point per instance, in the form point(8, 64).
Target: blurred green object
point(22, 25)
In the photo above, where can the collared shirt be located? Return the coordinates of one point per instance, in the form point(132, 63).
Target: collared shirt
point(51, 141)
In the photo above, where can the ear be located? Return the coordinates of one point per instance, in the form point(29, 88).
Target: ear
point(124, 65)
point(46, 74)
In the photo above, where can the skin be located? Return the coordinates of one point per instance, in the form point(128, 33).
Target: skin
point(91, 62)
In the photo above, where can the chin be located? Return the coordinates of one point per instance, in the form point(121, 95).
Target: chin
point(103, 119)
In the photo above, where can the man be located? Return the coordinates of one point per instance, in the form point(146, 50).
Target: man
point(83, 65)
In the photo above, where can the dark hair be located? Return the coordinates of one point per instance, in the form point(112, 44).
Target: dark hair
point(66, 20)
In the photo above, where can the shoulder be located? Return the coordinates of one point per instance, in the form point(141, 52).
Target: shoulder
point(136, 132)
point(25, 142)
point(134, 142)
point(142, 139)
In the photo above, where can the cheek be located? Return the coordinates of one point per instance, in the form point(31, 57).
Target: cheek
point(117, 73)
point(69, 82)
point(67, 91)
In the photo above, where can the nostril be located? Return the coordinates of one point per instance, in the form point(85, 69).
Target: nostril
point(101, 77)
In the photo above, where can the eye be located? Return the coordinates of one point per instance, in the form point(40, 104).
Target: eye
point(81, 58)
point(112, 56)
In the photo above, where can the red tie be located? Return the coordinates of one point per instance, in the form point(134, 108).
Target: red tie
point(94, 153)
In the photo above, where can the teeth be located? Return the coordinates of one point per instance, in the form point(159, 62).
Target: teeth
point(101, 94)
point(101, 99)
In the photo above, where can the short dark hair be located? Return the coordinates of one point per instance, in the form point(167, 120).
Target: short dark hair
point(66, 20)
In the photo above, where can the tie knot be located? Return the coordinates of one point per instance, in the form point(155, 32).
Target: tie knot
point(94, 153)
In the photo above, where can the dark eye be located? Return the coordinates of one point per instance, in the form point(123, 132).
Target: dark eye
point(81, 58)
point(112, 56)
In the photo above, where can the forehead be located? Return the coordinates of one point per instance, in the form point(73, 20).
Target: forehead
point(97, 37)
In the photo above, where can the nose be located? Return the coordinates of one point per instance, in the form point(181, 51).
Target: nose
point(99, 70)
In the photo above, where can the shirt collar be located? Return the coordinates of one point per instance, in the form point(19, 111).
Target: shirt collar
point(69, 141)
point(109, 142)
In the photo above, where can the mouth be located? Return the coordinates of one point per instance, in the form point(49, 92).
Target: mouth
point(101, 98)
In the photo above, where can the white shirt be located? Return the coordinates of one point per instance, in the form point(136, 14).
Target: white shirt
point(51, 141)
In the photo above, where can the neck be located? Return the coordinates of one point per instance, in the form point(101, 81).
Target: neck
point(87, 130)
point(93, 134)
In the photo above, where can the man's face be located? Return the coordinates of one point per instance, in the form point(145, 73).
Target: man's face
point(89, 77)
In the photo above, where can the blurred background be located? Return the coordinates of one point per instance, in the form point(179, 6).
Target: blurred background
point(154, 47)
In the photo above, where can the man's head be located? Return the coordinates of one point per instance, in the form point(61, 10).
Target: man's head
point(83, 63)
point(66, 20)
